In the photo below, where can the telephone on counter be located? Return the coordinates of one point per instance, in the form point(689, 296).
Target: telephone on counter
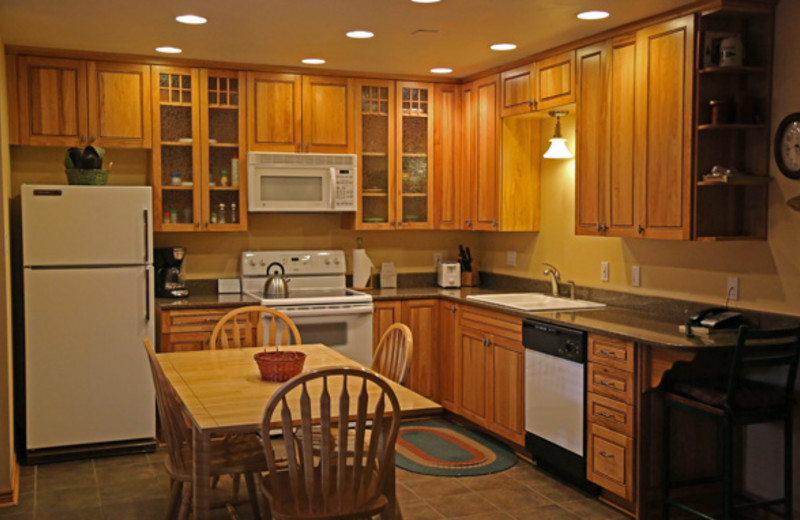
point(714, 318)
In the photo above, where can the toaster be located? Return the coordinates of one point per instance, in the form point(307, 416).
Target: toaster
point(449, 274)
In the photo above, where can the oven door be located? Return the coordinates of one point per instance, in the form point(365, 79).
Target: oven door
point(280, 188)
point(345, 328)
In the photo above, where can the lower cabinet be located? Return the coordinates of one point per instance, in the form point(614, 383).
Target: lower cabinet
point(610, 415)
point(183, 330)
point(421, 318)
point(448, 355)
point(490, 371)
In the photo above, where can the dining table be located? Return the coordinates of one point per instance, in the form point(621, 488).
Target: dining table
point(222, 392)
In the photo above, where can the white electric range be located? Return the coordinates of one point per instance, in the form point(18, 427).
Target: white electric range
point(318, 302)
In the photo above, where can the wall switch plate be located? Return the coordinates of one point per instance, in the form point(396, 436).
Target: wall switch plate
point(732, 292)
point(511, 258)
point(636, 276)
point(604, 271)
point(437, 259)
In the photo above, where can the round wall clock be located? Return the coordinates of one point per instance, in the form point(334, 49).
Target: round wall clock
point(787, 146)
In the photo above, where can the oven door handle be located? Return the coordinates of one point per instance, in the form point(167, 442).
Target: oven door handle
point(346, 311)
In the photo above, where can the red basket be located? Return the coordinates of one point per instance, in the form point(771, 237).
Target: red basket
point(279, 366)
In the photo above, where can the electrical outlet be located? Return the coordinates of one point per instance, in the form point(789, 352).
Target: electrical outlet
point(511, 258)
point(437, 259)
point(732, 292)
point(636, 276)
point(604, 271)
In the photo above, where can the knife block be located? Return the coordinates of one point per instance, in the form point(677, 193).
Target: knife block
point(470, 278)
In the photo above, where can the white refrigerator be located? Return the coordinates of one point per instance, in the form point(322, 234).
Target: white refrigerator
point(88, 293)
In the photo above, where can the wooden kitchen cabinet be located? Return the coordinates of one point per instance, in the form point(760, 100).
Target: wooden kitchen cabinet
point(294, 113)
point(448, 359)
point(67, 102)
point(184, 330)
point(490, 377)
point(541, 85)
point(421, 316)
point(394, 129)
point(448, 170)
point(198, 127)
point(611, 415)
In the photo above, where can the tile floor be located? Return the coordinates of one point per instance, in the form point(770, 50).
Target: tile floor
point(136, 488)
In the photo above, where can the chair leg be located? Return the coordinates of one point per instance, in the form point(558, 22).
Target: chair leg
point(186, 501)
point(665, 462)
point(175, 489)
point(237, 479)
point(727, 469)
point(251, 491)
point(788, 468)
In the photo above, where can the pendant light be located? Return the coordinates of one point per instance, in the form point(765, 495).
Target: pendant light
point(558, 145)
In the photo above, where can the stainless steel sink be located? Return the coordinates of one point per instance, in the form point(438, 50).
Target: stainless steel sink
point(535, 302)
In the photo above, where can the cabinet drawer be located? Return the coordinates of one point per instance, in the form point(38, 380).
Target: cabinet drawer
point(610, 382)
point(194, 320)
point(609, 461)
point(184, 342)
point(492, 323)
point(610, 413)
point(611, 352)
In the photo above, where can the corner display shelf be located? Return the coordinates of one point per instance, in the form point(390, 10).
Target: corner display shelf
point(738, 139)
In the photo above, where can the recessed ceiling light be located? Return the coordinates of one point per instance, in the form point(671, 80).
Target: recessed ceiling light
point(503, 47)
point(313, 61)
point(441, 70)
point(360, 35)
point(593, 15)
point(169, 50)
point(425, 1)
point(191, 19)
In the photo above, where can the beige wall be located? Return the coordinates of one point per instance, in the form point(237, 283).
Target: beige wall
point(6, 399)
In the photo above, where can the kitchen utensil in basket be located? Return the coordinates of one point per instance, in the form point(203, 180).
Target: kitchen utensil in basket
point(279, 365)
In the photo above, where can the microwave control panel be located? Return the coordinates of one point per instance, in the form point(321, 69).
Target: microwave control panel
point(346, 179)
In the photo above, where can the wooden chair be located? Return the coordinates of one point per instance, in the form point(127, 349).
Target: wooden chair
point(392, 358)
point(736, 401)
point(244, 455)
point(244, 327)
point(329, 483)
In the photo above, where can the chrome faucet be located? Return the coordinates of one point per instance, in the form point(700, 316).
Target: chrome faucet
point(555, 276)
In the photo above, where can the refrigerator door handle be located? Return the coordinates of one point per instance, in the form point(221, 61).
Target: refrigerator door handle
point(146, 234)
point(147, 294)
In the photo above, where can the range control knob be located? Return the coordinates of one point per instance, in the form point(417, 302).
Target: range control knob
point(336, 261)
point(327, 261)
point(252, 262)
point(263, 262)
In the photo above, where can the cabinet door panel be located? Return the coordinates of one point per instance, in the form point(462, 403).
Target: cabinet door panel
point(474, 358)
point(52, 94)
point(448, 356)
point(274, 112)
point(327, 116)
point(590, 136)
point(119, 105)
point(556, 81)
point(386, 313)
point(621, 134)
point(421, 318)
point(447, 172)
point(507, 390)
point(468, 187)
point(518, 90)
point(485, 187)
point(663, 124)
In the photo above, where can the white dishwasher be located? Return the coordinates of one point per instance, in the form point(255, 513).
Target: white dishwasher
point(555, 374)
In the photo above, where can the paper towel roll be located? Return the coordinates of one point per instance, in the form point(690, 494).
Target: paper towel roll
point(362, 268)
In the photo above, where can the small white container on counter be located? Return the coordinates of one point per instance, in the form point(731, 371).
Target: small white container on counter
point(388, 275)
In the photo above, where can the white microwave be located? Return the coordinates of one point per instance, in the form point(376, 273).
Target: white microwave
point(301, 182)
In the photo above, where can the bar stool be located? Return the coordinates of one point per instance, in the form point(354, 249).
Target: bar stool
point(737, 401)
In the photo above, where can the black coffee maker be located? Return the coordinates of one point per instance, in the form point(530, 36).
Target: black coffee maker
point(169, 275)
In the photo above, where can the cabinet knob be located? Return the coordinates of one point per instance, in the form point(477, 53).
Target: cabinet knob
point(83, 138)
point(453, 308)
point(640, 229)
point(299, 146)
point(605, 227)
point(468, 222)
point(94, 138)
point(206, 224)
point(197, 225)
point(494, 223)
point(307, 145)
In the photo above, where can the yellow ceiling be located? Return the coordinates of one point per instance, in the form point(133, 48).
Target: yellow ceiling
point(455, 33)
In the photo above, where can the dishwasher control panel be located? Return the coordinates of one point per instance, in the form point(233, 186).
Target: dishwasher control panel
point(555, 340)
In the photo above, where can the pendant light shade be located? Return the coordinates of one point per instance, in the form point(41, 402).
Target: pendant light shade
point(558, 145)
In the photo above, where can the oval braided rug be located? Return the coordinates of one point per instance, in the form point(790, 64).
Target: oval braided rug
point(446, 449)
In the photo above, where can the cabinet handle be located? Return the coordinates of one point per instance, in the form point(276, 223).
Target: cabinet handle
point(494, 223)
point(599, 227)
point(453, 308)
point(608, 353)
point(197, 225)
point(535, 103)
point(606, 455)
point(468, 222)
point(606, 383)
point(299, 146)
point(484, 342)
point(605, 227)
point(94, 138)
point(307, 145)
point(606, 415)
point(83, 138)
point(640, 229)
point(392, 223)
point(206, 224)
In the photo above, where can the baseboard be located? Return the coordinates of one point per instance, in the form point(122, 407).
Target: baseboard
point(10, 497)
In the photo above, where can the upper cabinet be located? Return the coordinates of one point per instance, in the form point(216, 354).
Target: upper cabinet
point(198, 175)
point(64, 102)
point(293, 113)
point(540, 85)
point(448, 169)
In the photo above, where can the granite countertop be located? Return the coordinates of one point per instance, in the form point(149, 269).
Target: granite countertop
point(205, 301)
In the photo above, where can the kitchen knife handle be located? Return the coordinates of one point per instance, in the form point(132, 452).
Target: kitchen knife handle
point(146, 236)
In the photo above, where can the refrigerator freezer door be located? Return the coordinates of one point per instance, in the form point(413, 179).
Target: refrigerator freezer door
point(87, 378)
point(86, 225)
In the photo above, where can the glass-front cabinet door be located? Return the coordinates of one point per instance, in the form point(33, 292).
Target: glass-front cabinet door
point(223, 151)
point(199, 172)
point(176, 158)
point(415, 147)
point(375, 148)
